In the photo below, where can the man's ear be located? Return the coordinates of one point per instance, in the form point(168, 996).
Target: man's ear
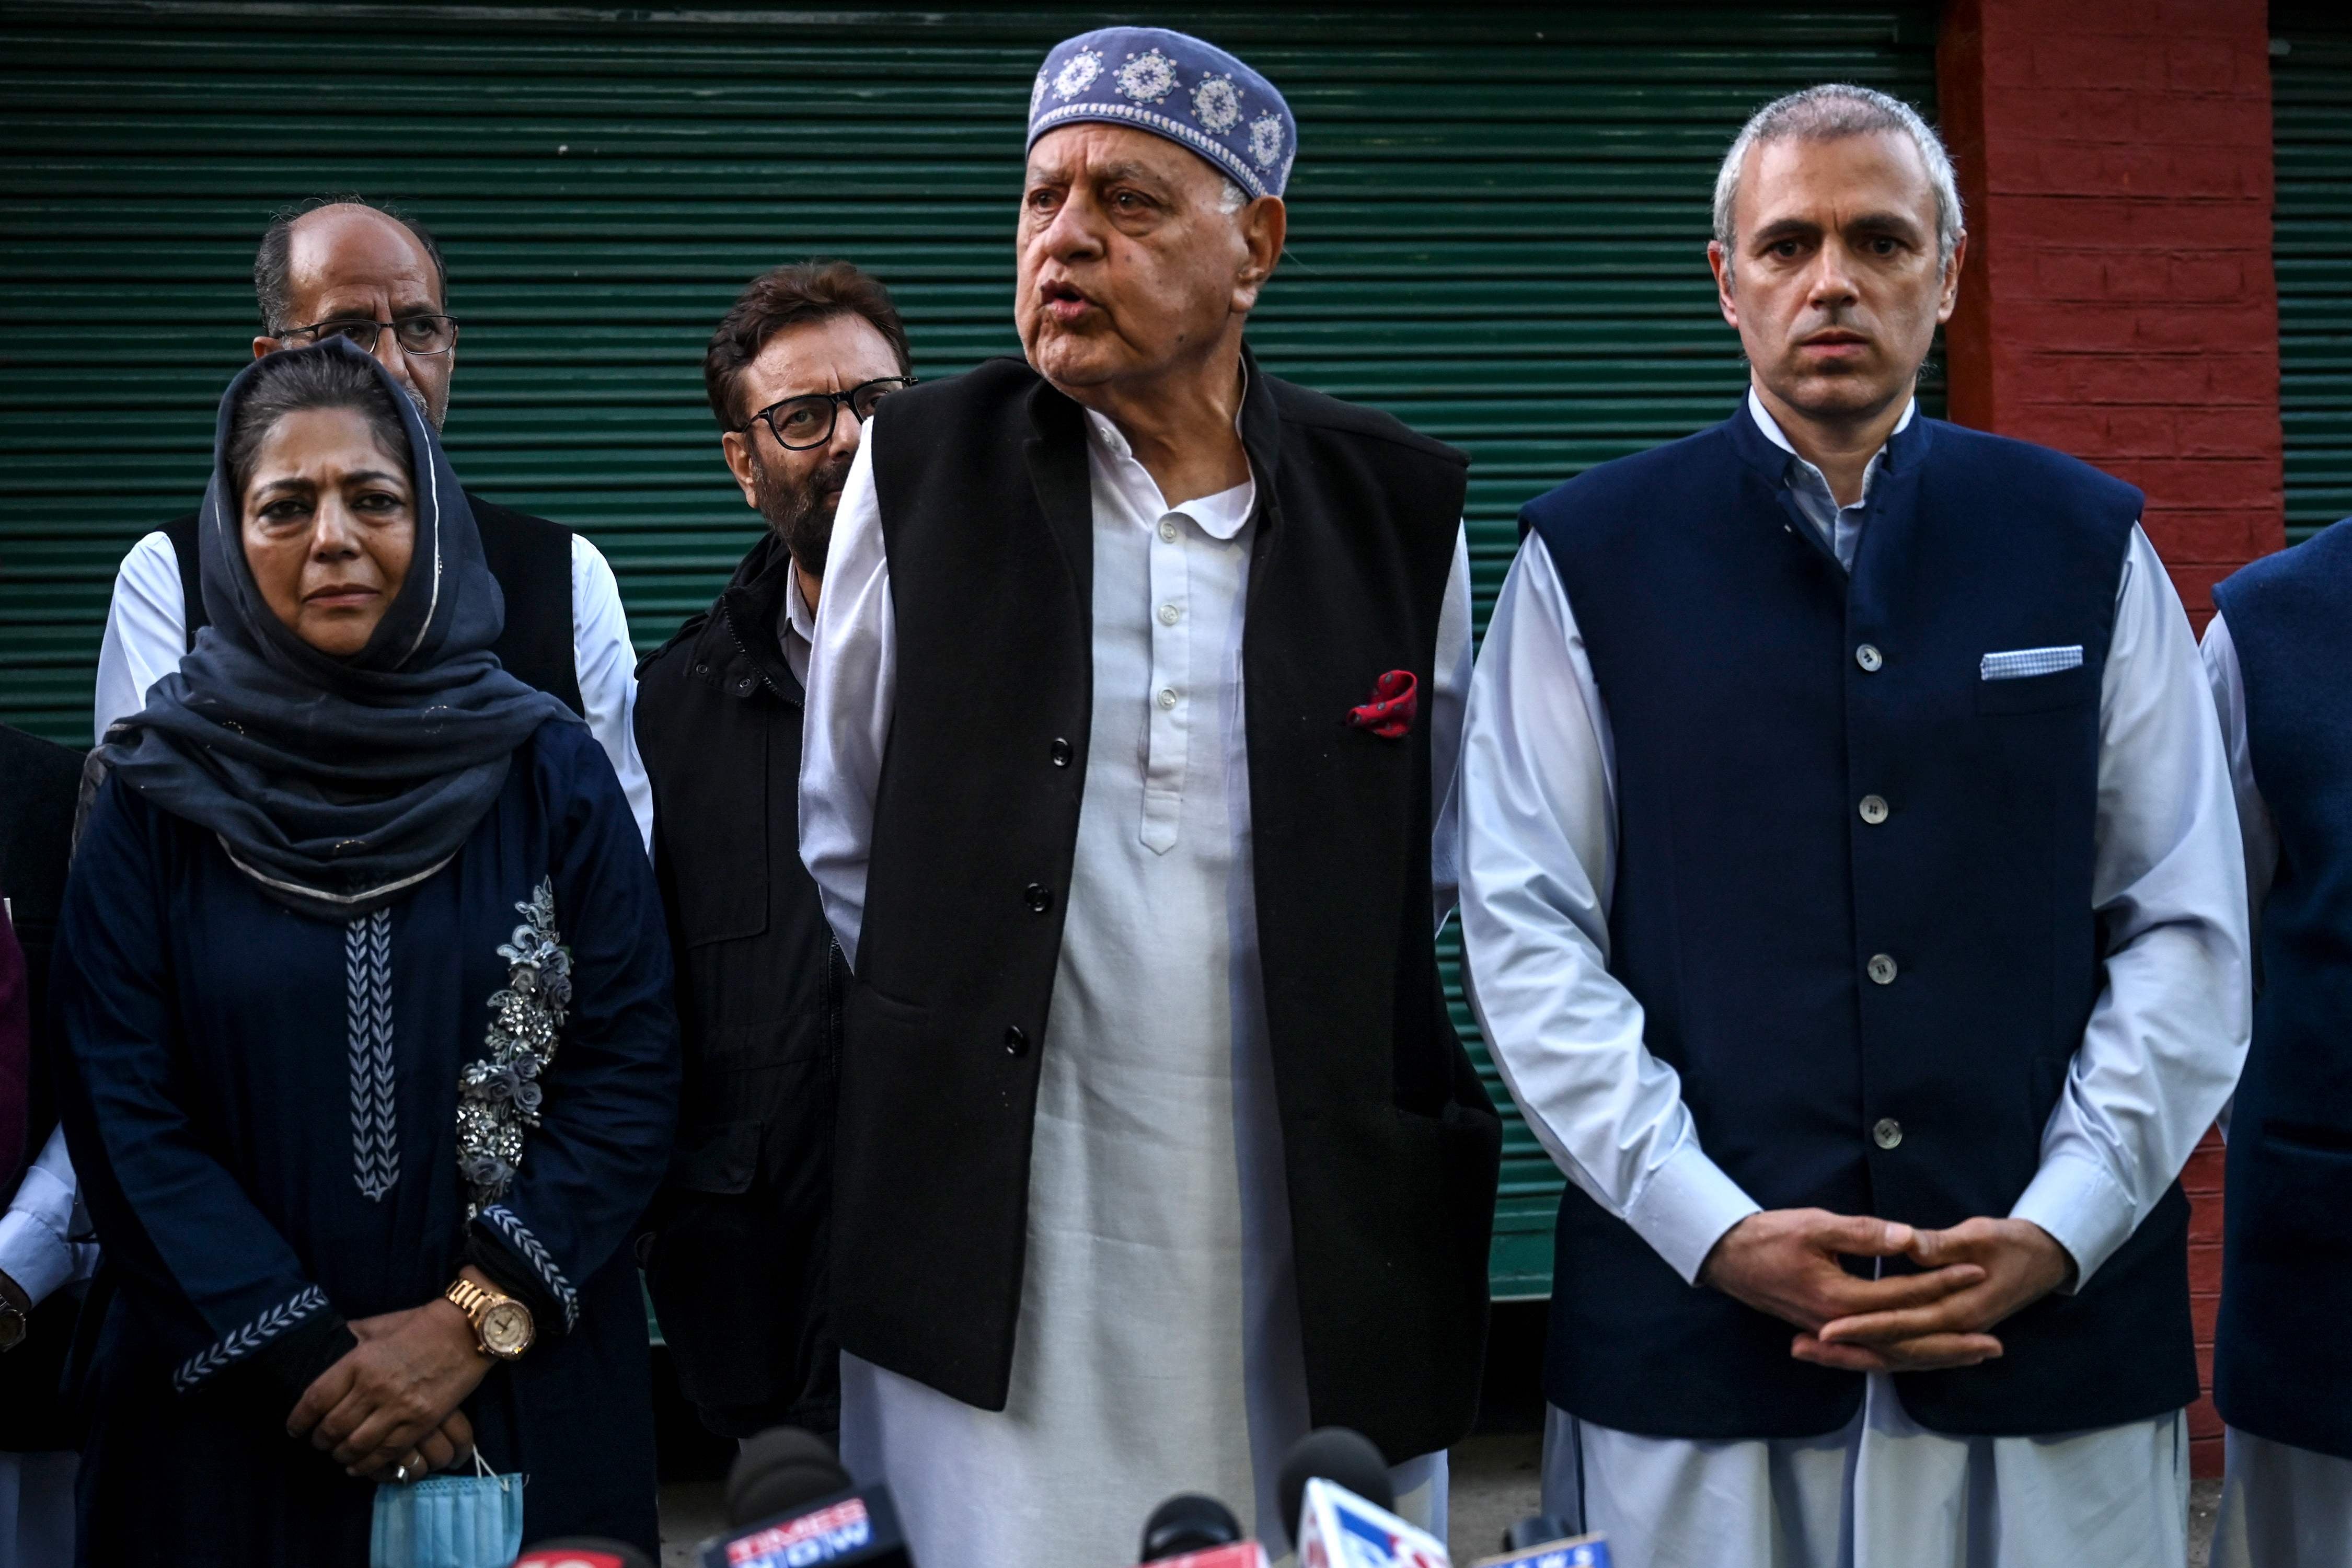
point(737, 448)
point(1264, 224)
point(1951, 294)
point(1718, 261)
point(266, 344)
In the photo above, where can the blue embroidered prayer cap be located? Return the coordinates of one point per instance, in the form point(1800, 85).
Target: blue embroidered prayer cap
point(1175, 86)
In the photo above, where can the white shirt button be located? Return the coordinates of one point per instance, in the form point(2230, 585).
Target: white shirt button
point(1168, 529)
point(1873, 809)
point(1888, 1134)
point(1167, 697)
point(1881, 969)
point(1869, 657)
point(1169, 614)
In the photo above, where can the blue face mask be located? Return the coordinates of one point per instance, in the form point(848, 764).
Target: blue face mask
point(449, 1521)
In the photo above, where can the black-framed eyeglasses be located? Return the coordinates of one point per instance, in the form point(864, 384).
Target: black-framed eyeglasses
point(417, 334)
point(804, 422)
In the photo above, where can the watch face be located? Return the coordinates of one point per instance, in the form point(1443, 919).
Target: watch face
point(506, 1328)
point(12, 1327)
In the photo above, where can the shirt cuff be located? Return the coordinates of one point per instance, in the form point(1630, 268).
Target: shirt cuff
point(2083, 1208)
point(1685, 1207)
point(35, 1255)
point(508, 1275)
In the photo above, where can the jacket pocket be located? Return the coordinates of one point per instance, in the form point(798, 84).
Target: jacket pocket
point(2037, 693)
point(871, 1011)
point(721, 1158)
point(738, 1047)
point(2309, 1137)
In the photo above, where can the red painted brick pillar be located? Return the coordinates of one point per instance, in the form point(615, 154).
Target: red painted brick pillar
point(2119, 302)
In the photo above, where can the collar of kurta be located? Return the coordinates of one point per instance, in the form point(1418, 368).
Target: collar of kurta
point(1221, 515)
point(1057, 417)
point(1903, 451)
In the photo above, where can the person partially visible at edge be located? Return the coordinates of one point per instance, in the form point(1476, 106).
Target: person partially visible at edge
point(330, 1269)
point(2279, 658)
point(1156, 1145)
point(738, 1250)
point(1852, 900)
point(44, 1246)
point(350, 267)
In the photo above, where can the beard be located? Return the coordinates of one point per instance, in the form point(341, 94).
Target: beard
point(425, 409)
point(800, 512)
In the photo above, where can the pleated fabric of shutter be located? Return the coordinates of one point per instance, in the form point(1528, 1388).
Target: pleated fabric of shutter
point(1497, 230)
point(2311, 106)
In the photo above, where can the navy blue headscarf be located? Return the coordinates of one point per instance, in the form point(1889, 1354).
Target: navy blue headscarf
point(338, 783)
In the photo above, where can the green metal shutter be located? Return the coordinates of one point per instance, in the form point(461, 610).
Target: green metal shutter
point(1499, 220)
point(2311, 102)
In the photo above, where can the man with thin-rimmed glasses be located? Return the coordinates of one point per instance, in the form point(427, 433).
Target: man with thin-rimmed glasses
point(347, 267)
point(736, 1246)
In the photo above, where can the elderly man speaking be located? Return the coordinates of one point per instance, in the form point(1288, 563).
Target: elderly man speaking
point(1132, 714)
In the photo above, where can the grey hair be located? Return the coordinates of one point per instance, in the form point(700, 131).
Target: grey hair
point(1826, 114)
point(273, 288)
point(1232, 199)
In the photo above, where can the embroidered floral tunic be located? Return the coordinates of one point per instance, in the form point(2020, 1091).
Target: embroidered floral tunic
point(267, 1116)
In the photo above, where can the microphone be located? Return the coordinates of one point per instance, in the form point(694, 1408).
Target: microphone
point(1336, 1484)
point(1186, 1523)
point(583, 1552)
point(1334, 1453)
point(791, 1505)
point(1540, 1541)
point(779, 1469)
point(1190, 1530)
point(1536, 1529)
point(1337, 1529)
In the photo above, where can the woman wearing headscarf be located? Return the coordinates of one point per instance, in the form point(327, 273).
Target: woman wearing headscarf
point(363, 977)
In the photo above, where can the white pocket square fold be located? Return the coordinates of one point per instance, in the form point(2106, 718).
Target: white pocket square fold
point(2019, 663)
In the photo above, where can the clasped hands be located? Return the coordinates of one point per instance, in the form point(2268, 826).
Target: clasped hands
point(1786, 1262)
point(391, 1402)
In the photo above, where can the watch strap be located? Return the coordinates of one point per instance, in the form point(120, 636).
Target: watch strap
point(475, 1301)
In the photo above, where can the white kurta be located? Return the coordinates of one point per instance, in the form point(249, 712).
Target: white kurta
point(2158, 1057)
point(1158, 1348)
point(2282, 1507)
point(147, 635)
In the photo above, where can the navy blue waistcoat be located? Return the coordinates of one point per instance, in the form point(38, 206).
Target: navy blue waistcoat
point(1757, 696)
point(2282, 1361)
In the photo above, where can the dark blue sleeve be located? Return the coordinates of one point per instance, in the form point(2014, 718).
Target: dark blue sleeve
point(218, 1282)
point(609, 1111)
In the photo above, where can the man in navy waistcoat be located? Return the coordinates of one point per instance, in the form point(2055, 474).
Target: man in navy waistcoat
point(1852, 897)
point(2279, 652)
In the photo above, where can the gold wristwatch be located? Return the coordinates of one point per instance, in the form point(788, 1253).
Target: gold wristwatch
point(502, 1325)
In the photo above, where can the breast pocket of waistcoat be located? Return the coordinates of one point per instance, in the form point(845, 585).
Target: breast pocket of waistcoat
point(2033, 681)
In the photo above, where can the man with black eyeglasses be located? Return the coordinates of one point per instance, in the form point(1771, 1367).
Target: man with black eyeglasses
point(736, 1246)
point(351, 269)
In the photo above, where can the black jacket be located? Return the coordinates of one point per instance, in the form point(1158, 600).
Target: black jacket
point(38, 783)
point(1390, 1143)
point(738, 1255)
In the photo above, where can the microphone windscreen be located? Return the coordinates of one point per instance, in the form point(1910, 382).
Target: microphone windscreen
point(1536, 1529)
point(778, 1470)
point(583, 1552)
point(1188, 1522)
point(1345, 1458)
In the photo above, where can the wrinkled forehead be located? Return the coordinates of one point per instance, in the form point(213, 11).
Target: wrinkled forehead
point(351, 247)
point(1831, 181)
point(1094, 151)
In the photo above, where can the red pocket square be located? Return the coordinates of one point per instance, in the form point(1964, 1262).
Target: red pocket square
point(1396, 698)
